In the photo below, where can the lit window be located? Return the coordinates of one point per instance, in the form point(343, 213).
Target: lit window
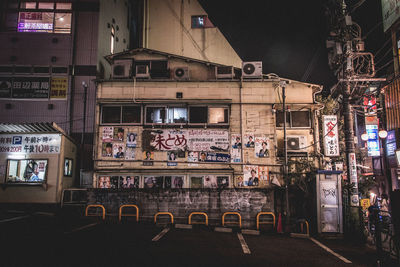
point(28, 5)
point(112, 40)
point(62, 23)
point(177, 115)
point(26, 171)
point(155, 115)
point(45, 5)
point(218, 115)
point(64, 6)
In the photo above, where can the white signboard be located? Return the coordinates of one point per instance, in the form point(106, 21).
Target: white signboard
point(353, 178)
point(107, 135)
point(30, 143)
point(193, 140)
point(331, 136)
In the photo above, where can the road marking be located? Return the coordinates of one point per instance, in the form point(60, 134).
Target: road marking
point(245, 248)
point(330, 251)
point(81, 228)
point(158, 237)
point(45, 213)
point(14, 219)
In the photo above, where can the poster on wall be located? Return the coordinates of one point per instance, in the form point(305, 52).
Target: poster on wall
point(131, 139)
point(210, 181)
point(173, 182)
point(261, 146)
point(153, 181)
point(193, 140)
point(222, 181)
point(118, 150)
point(193, 156)
point(104, 182)
point(249, 140)
point(172, 158)
point(239, 182)
point(107, 150)
point(118, 134)
point(263, 175)
point(331, 135)
point(148, 157)
point(30, 143)
point(107, 134)
point(129, 182)
point(130, 153)
point(236, 141)
point(214, 157)
point(250, 175)
point(236, 155)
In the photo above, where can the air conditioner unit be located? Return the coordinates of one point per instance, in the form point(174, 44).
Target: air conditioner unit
point(121, 69)
point(142, 71)
point(296, 143)
point(225, 72)
point(181, 73)
point(252, 69)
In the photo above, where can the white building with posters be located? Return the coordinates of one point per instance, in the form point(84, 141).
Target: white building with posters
point(169, 121)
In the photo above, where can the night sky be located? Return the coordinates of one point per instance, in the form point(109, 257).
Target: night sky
point(290, 36)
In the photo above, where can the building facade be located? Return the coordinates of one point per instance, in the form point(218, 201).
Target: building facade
point(193, 127)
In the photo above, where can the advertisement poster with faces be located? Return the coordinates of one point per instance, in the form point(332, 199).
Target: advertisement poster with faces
point(261, 146)
point(118, 150)
point(250, 173)
point(172, 158)
point(236, 147)
point(104, 182)
point(148, 155)
point(193, 156)
point(153, 181)
point(131, 140)
point(118, 134)
point(239, 181)
point(130, 153)
point(210, 181)
point(129, 182)
point(249, 140)
point(107, 150)
point(107, 134)
point(174, 182)
point(263, 175)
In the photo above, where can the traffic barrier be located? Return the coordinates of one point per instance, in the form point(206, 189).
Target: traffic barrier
point(265, 213)
point(164, 213)
point(95, 206)
point(126, 206)
point(232, 213)
point(302, 223)
point(198, 213)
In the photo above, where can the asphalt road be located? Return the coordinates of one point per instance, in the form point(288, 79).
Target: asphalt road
point(51, 240)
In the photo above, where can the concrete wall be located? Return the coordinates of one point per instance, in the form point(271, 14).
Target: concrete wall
point(168, 29)
point(181, 202)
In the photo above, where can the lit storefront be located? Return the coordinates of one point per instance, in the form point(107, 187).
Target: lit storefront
point(37, 161)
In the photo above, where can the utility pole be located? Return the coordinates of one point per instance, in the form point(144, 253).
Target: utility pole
point(85, 86)
point(285, 166)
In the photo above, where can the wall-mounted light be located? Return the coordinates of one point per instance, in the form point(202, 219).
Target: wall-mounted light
point(382, 134)
point(364, 137)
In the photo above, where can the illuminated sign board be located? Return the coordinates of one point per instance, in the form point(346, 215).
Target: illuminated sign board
point(331, 140)
point(373, 140)
point(391, 143)
point(398, 157)
point(25, 87)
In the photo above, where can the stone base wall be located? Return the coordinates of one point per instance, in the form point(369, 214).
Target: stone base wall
point(181, 202)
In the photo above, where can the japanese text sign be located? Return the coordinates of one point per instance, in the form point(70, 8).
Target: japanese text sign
point(331, 138)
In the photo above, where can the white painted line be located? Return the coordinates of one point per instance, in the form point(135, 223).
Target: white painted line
point(45, 213)
point(245, 248)
point(14, 219)
point(158, 237)
point(81, 228)
point(330, 251)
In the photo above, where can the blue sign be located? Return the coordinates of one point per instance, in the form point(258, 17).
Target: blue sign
point(373, 140)
point(217, 157)
point(391, 143)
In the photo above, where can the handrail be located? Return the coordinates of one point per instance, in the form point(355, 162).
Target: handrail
point(198, 213)
point(94, 206)
point(166, 213)
point(232, 213)
point(128, 205)
point(265, 213)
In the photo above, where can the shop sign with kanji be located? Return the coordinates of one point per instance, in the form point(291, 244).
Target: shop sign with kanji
point(331, 137)
point(30, 143)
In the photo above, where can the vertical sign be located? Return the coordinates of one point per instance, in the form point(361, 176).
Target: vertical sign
point(353, 178)
point(331, 139)
point(59, 87)
point(371, 126)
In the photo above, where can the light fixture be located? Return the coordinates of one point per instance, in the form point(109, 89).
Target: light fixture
point(382, 134)
point(364, 137)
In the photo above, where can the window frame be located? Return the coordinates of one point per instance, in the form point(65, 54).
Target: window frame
point(290, 122)
point(197, 123)
point(53, 10)
point(43, 182)
point(120, 115)
point(209, 113)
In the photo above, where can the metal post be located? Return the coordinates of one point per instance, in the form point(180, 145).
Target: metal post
point(85, 86)
point(285, 166)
